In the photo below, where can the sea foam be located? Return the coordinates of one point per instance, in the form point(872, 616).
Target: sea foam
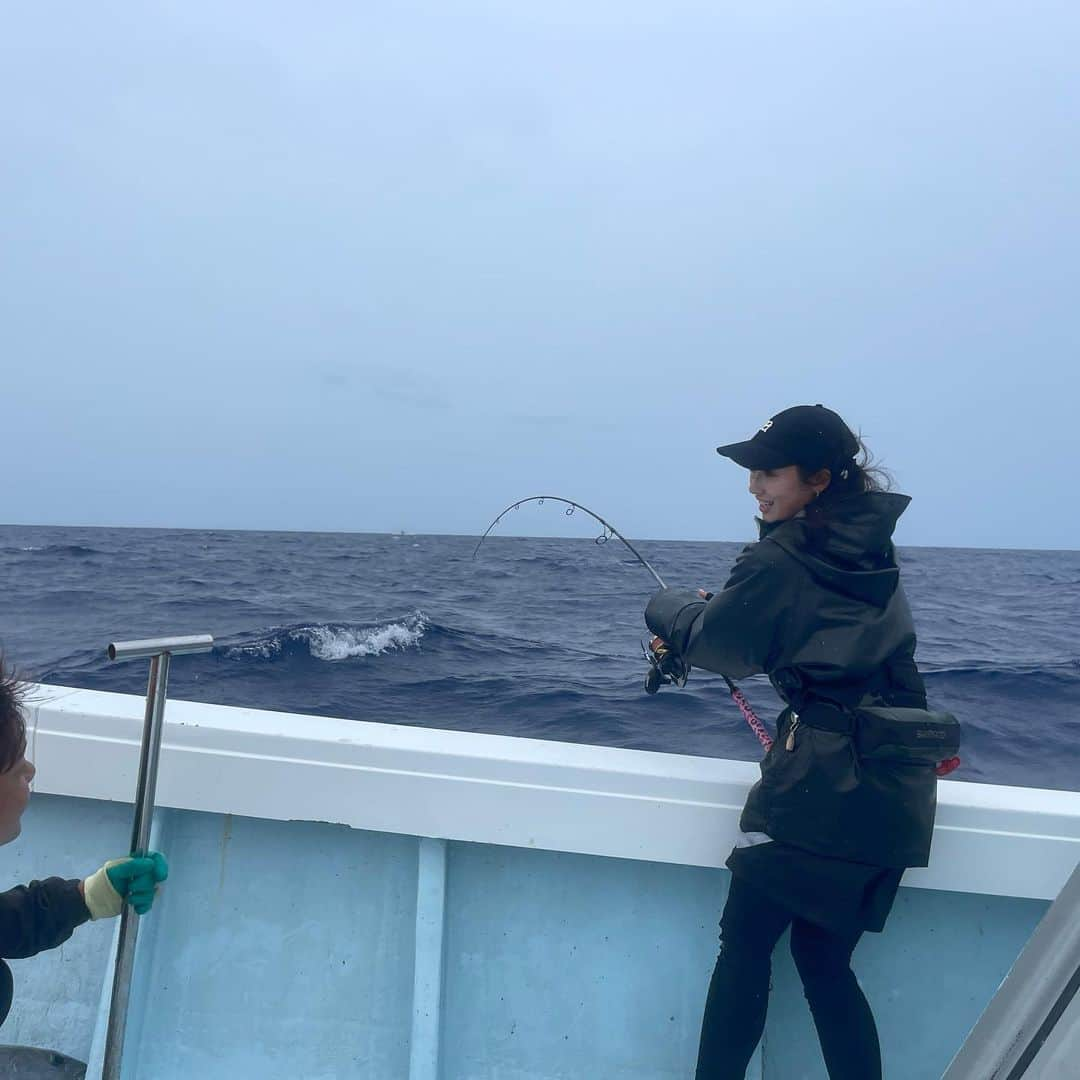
point(345, 643)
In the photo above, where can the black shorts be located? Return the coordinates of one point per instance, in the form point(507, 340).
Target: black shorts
point(841, 896)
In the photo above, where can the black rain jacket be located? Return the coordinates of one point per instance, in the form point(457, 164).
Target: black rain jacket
point(816, 604)
point(33, 918)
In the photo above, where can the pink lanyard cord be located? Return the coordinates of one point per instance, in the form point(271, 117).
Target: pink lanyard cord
point(750, 716)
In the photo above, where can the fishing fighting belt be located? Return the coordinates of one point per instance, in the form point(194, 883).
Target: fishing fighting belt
point(887, 732)
point(854, 782)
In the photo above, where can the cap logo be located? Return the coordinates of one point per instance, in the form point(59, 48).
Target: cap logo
point(765, 427)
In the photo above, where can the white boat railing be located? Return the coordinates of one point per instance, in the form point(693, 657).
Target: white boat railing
point(530, 793)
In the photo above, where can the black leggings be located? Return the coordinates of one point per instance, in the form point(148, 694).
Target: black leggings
point(739, 992)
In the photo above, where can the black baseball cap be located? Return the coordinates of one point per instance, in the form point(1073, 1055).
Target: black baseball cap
point(807, 435)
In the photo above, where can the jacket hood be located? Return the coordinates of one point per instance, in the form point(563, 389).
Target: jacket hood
point(846, 543)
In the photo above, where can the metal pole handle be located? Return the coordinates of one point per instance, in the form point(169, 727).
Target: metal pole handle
point(160, 651)
point(174, 646)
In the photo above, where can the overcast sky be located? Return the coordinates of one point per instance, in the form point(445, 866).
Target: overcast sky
point(356, 266)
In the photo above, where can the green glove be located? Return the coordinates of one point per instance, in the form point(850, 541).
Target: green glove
point(133, 879)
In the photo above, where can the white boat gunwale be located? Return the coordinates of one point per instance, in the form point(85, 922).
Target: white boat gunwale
point(458, 785)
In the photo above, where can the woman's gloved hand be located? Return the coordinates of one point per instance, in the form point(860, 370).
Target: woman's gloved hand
point(659, 648)
point(665, 667)
point(134, 879)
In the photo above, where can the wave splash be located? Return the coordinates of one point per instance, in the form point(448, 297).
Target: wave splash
point(332, 642)
point(78, 550)
point(328, 643)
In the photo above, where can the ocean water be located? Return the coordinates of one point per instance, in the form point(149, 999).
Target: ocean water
point(535, 637)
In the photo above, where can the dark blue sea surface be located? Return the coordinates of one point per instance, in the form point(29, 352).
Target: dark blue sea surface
point(536, 637)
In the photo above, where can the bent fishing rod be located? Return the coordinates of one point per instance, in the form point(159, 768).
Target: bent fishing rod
point(661, 668)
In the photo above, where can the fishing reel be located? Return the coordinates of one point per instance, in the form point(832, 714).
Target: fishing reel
point(666, 668)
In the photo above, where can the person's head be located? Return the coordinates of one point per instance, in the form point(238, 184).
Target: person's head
point(800, 455)
point(15, 771)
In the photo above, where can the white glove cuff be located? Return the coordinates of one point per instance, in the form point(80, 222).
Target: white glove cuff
point(102, 900)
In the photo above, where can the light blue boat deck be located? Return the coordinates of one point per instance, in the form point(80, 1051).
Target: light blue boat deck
point(298, 948)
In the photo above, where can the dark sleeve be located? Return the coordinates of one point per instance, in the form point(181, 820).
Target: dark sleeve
point(906, 686)
point(39, 916)
point(734, 633)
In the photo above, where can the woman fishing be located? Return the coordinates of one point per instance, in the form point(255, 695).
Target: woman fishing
point(816, 604)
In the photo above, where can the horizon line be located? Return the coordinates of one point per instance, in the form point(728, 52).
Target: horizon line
point(477, 536)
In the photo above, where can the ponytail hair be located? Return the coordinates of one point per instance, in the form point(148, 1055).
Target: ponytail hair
point(12, 724)
point(856, 476)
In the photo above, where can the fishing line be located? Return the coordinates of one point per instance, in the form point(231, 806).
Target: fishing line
point(609, 531)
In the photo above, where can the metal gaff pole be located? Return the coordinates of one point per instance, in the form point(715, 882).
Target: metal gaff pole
point(160, 651)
